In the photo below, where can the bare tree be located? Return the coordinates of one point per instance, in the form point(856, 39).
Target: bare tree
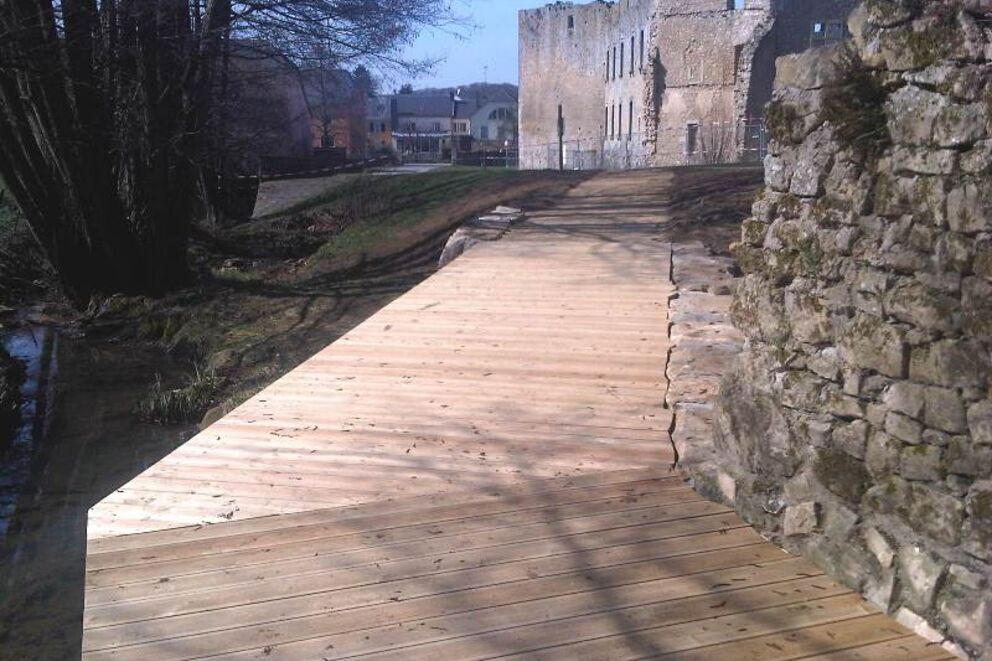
point(103, 105)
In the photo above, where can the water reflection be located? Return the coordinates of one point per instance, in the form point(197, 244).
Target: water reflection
point(36, 348)
point(77, 443)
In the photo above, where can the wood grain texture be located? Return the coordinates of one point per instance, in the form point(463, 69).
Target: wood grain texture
point(480, 470)
point(609, 566)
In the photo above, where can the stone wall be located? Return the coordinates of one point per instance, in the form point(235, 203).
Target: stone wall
point(856, 425)
point(562, 65)
point(703, 63)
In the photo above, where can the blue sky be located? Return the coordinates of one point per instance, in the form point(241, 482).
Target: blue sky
point(493, 44)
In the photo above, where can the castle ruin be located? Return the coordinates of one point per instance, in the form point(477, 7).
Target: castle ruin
point(642, 83)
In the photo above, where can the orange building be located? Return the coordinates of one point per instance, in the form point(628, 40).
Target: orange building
point(337, 103)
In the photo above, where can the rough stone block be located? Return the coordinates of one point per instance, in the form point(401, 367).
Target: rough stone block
point(969, 208)
point(879, 545)
point(927, 509)
point(977, 533)
point(980, 422)
point(905, 429)
point(921, 573)
point(967, 612)
point(976, 313)
point(880, 589)
point(915, 160)
point(851, 437)
point(945, 410)
point(921, 462)
point(842, 406)
point(753, 232)
point(845, 561)
point(778, 172)
point(934, 437)
point(801, 390)
point(801, 519)
point(812, 165)
point(947, 282)
point(933, 512)
point(960, 125)
point(950, 363)
point(965, 578)
point(920, 627)
point(919, 117)
point(868, 342)
point(913, 114)
point(809, 317)
point(808, 70)
point(963, 457)
point(978, 159)
point(842, 474)
point(816, 432)
point(954, 252)
point(875, 415)
point(752, 430)
point(906, 398)
point(882, 455)
point(825, 363)
point(914, 303)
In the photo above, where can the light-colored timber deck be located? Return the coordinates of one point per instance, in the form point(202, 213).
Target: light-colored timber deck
point(480, 470)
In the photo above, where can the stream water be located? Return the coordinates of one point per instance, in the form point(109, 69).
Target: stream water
point(77, 443)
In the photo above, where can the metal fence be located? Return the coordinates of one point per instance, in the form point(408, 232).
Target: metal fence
point(694, 144)
point(493, 159)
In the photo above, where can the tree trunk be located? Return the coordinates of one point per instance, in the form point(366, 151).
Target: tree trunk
point(100, 133)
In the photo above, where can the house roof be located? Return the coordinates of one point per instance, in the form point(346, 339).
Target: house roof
point(479, 96)
point(417, 105)
point(327, 86)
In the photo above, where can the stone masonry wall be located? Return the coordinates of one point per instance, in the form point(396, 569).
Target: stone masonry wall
point(562, 66)
point(856, 425)
point(704, 63)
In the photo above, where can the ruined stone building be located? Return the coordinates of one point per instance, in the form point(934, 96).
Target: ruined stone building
point(643, 83)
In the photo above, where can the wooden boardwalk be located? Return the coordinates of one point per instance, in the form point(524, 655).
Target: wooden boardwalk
point(479, 470)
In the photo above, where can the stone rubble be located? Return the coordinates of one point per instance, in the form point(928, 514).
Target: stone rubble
point(490, 227)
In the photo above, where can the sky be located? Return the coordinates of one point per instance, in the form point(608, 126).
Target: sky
point(492, 44)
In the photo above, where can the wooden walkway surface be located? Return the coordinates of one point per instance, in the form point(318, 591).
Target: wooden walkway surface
point(480, 470)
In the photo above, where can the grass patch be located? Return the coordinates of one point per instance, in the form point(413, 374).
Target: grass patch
point(179, 405)
point(375, 211)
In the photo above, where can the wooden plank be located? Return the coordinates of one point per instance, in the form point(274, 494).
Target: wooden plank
point(690, 624)
point(405, 526)
point(359, 534)
point(551, 493)
point(467, 590)
point(906, 648)
point(377, 562)
point(478, 470)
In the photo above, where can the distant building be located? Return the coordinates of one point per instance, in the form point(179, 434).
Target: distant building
point(439, 124)
point(338, 110)
point(657, 82)
point(489, 117)
point(379, 116)
point(422, 125)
